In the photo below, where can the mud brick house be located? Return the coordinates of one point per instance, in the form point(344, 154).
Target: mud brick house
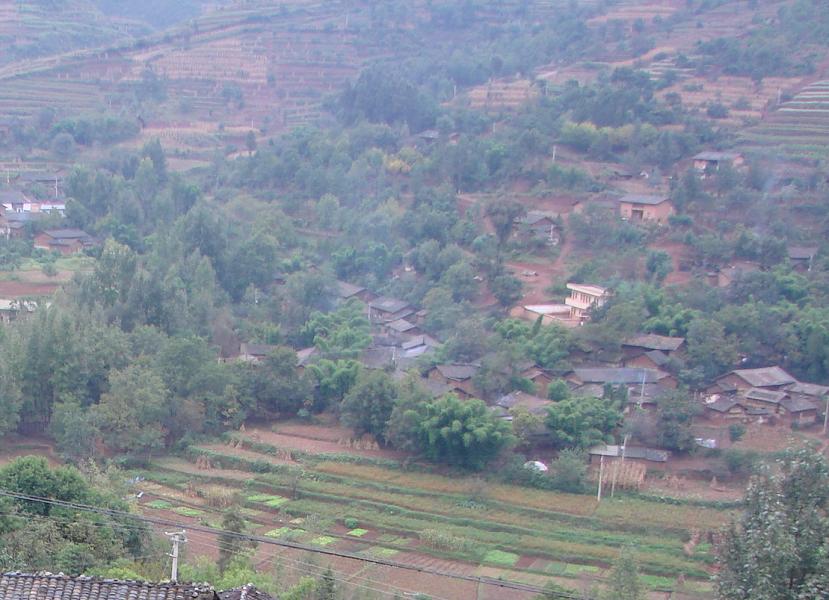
point(42, 586)
point(583, 298)
point(255, 353)
point(65, 241)
point(647, 342)
point(534, 405)
point(542, 226)
point(346, 291)
point(801, 257)
point(712, 161)
point(743, 380)
point(621, 376)
point(386, 310)
point(635, 207)
point(637, 454)
point(457, 376)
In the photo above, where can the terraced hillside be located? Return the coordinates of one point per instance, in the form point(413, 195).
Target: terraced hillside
point(31, 28)
point(799, 127)
point(300, 483)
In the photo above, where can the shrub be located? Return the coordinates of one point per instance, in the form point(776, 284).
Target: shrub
point(736, 431)
point(351, 522)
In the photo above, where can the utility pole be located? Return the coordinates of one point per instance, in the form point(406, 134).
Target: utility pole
point(601, 474)
point(177, 537)
point(616, 465)
point(826, 415)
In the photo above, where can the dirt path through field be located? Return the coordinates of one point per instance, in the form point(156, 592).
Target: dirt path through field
point(315, 446)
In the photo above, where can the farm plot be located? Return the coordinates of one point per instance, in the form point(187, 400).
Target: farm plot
point(379, 509)
point(799, 126)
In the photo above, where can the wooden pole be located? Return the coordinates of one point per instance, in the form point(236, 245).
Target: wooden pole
point(601, 474)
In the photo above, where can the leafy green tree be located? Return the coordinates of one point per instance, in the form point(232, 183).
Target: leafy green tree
point(624, 582)
point(327, 586)
point(333, 380)
point(502, 214)
point(777, 549)
point(232, 546)
point(674, 416)
point(506, 288)
point(569, 471)
point(131, 414)
point(275, 385)
point(658, 265)
point(74, 430)
point(582, 422)
point(402, 428)
point(341, 334)
point(709, 349)
point(369, 404)
point(462, 432)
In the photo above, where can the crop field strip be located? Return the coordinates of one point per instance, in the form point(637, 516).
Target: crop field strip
point(369, 497)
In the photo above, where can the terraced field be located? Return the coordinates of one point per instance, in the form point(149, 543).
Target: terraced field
point(320, 492)
point(799, 127)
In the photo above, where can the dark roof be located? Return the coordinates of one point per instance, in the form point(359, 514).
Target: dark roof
point(458, 372)
point(379, 357)
point(619, 375)
point(723, 405)
point(435, 388)
point(402, 325)
point(659, 358)
point(347, 290)
point(768, 396)
point(389, 305)
point(652, 341)
point(12, 197)
point(46, 586)
point(304, 357)
point(256, 349)
point(795, 404)
point(532, 217)
point(807, 389)
point(715, 156)
point(651, 454)
point(420, 340)
point(643, 199)
point(802, 252)
point(764, 377)
point(534, 404)
point(246, 592)
point(67, 234)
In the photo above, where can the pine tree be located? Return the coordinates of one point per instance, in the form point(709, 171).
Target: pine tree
point(624, 583)
point(327, 586)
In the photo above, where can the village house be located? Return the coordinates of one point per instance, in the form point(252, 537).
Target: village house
point(646, 342)
point(733, 272)
point(712, 161)
point(802, 257)
point(601, 376)
point(540, 378)
point(636, 454)
point(533, 404)
point(401, 329)
point(42, 585)
point(346, 291)
point(542, 226)
point(636, 207)
point(418, 346)
point(65, 241)
point(458, 376)
point(254, 353)
point(386, 310)
point(12, 310)
point(743, 380)
point(548, 313)
point(306, 357)
point(583, 298)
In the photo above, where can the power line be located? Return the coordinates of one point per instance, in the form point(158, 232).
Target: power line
point(513, 585)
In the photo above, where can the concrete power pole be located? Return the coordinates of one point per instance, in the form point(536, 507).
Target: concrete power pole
point(177, 537)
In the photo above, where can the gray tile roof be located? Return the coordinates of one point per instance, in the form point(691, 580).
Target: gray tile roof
point(659, 358)
point(650, 454)
point(389, 305)
point(458, 372)
point(347, 290)
point(47, 586)
point(715, 156)
point(643, 199)
point(765, 377)
point(651, 341)
point(769, 396)
point(619, 375)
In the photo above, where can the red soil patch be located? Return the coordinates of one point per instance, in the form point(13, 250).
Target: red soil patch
point(17, 289)
point(314, 446)
point(14, 446)
point(242, 453)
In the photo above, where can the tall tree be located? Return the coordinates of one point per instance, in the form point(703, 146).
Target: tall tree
point(777, 549)
point(624, 582)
